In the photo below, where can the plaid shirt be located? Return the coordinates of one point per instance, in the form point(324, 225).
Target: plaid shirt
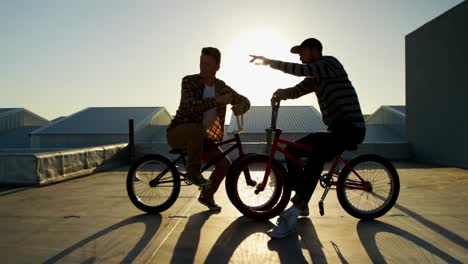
point(193, 105)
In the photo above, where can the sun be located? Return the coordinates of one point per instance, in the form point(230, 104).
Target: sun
point(256, 82)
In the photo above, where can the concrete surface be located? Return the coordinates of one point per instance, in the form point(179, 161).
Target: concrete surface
point(91, 220)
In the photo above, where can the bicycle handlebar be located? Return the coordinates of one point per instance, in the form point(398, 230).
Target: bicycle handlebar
point(274, 113)
point(274, 117)
point(240, 124)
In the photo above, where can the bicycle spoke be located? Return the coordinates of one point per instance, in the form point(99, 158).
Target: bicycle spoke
point(148, 195)
point(247, 193)
point(379, 178)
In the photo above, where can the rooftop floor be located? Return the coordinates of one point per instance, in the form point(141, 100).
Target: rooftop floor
point(91, 219)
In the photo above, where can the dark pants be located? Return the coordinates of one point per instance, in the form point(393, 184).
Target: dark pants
point(326, 146)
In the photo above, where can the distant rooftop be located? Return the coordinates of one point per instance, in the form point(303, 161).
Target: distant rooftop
point(2, 110)
point(291, 119)
point(399, 108)
point(17, 138)
point(57, 119)
point(100, 120)
point(382, 134)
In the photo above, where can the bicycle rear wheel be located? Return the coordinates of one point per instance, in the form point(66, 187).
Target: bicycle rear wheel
point(266, 204)
point(376, 194)
point(153, 183)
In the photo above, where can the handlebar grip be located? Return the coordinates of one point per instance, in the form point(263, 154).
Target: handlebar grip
point(275, 105)
point(240, 123)
point(274, 113)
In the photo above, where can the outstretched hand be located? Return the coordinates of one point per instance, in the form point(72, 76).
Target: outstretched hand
point(259, 60)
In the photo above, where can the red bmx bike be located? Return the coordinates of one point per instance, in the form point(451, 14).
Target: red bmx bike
point(367, 186)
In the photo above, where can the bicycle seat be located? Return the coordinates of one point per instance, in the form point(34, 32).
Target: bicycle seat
point(178, 151)
point(350, 147)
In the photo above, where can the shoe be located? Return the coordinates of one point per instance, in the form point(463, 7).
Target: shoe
point(286, 224)
point(210, 203)
point(199, 181)
point(305, 212)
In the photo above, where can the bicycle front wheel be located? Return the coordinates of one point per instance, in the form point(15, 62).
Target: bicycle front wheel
point(153, 183)
point(262, 205)
point(371, 194)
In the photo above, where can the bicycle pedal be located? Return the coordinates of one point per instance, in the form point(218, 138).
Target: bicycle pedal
point(188, 182)
point(321, 209)
point(251, 183)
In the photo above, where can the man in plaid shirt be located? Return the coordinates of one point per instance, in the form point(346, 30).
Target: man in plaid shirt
point(199, 122)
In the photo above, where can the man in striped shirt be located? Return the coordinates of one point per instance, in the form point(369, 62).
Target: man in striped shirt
point(341, 112)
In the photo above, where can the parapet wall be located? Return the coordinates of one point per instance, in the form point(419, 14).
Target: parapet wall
point(48, 167)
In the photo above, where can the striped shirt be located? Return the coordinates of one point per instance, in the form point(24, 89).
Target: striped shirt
point(336, 96)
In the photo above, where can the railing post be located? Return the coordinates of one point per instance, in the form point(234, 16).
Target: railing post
point(131, 141)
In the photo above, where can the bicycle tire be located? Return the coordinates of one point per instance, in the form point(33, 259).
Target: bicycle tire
point(362, 164)
point(276, 194)
point(148, 200)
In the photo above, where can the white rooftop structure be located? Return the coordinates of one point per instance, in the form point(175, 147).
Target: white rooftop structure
point(15, 126)
point(101, 126)
point(11, 118)
point(387, 124)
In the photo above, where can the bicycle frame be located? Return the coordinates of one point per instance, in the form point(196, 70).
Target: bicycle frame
point(211, 162)
point(237, 145)
point(276, 148)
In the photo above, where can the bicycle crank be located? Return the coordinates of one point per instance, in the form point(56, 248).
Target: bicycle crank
point(320, 204)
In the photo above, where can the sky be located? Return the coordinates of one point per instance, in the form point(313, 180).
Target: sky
point(59, 57)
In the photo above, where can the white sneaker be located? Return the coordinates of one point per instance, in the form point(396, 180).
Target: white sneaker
point(286, 224)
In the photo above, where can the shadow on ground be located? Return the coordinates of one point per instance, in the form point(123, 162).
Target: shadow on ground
point(151, 222)
point(189, 239)
point(369, 230)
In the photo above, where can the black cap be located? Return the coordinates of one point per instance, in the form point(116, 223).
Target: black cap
point(308, 43)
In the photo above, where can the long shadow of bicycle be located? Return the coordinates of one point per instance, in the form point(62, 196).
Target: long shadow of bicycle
point(151, 222)
point(239, 242)
point(290, 249)
point(369, 230)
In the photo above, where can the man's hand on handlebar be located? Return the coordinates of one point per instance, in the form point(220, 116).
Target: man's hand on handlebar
point(278, 96)
point(259, 60)
point(237, 109)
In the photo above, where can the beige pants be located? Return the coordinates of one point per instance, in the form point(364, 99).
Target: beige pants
point(191, 137)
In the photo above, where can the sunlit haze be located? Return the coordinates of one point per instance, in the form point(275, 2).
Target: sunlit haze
point(58, 57)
